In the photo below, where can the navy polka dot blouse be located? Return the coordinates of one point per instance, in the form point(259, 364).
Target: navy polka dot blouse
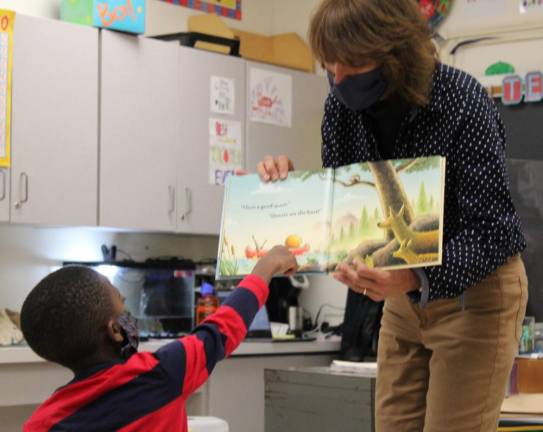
point(461, 122)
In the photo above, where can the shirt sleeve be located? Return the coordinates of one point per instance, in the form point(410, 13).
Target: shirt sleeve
point(488, 223)
point(190, 360)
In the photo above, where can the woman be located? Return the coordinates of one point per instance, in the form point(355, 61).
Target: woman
point(449, 333)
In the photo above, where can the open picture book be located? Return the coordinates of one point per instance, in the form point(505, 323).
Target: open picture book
point(385, 214)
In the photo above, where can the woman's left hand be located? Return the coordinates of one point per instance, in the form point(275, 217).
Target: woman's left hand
point(376, 283)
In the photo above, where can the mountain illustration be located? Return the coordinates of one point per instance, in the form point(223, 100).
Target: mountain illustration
point(345, 222)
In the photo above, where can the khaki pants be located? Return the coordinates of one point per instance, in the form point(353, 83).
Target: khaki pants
point(445, 367)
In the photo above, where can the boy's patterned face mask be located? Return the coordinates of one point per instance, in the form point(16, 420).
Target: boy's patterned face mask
point(129, 326)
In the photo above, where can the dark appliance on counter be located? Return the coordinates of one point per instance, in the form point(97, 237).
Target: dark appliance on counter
point(159, 293)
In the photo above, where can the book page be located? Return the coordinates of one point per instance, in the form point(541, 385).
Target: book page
point(257, 216)
point(388, 213)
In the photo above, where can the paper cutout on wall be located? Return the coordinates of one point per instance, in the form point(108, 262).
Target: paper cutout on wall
point(223, 95)
point(529, 6)
point(6, 62)
point(499, 68)
point(225, 149)
point(225, 8)
point(270, 97)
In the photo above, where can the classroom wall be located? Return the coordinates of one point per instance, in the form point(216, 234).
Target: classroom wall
point(293, 16)
point(473, 19)
point(44, 8)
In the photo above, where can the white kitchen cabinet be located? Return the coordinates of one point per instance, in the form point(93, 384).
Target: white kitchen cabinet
point(4, 195)
point(199, 200)
point(54, 147)
point(139, 132)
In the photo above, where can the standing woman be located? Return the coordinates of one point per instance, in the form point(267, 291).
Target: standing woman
point(449, 333)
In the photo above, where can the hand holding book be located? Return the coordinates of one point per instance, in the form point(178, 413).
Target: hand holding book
point(376, 283)
point(274, 168)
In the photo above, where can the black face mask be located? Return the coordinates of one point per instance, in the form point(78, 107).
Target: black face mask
point(129, 327)
point(359, 92)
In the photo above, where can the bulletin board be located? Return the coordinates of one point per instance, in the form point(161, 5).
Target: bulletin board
point(225, 8)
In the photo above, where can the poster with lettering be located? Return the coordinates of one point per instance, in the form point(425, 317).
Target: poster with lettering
point(223, 95)
point(224, 8)
point(270, 98)
point(122, 15)
point(531, 6)
point(225, 149)
point(6, 62)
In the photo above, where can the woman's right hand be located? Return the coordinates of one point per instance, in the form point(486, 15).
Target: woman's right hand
point(272, 169)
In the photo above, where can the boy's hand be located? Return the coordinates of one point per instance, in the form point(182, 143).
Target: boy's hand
point(277, 261)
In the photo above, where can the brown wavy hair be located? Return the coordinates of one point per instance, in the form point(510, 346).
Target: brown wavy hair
point(391, 33)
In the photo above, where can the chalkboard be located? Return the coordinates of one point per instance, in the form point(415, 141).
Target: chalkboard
point(524, 128)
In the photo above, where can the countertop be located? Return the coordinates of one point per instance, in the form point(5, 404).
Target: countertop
point(23, 354)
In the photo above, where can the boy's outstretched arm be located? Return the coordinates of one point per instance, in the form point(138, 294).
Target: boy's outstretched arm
point(190, 360)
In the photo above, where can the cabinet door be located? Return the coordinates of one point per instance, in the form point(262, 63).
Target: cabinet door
point(54, 123)
point(4, 195)
point(200, 201)
point(302, 141)
point(139, 132)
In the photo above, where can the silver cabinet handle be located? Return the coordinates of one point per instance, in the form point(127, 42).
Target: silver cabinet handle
point(171, 197)
point(4, 185)
point(23, 197)
point(188, 205)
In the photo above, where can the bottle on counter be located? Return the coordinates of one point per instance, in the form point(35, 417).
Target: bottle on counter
point(538, 338)
point(207, 304)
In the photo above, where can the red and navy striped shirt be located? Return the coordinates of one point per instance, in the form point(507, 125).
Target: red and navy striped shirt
point(148, 391)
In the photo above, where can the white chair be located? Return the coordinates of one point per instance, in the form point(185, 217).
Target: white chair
point(207, 424)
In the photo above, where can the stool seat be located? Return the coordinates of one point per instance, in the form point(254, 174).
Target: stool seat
point(207, 424)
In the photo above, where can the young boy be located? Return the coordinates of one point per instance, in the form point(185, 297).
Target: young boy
point(75, 317)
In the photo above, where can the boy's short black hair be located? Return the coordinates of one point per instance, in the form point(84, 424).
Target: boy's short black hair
point(63, 317)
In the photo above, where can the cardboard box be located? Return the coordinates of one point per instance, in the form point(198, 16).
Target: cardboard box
point(211, 25)
point(530, 375)
point(122, 15)
point(288, 50)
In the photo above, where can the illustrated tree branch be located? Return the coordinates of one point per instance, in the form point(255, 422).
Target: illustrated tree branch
point(406, 165)
point(355, 181)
